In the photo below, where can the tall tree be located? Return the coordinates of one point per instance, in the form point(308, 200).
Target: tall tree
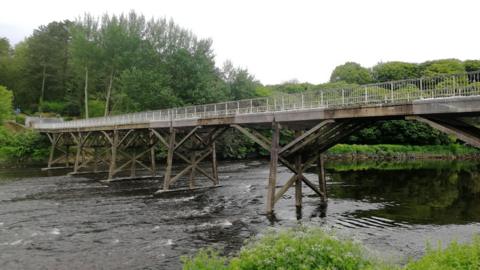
point(351, 72)
point(85, 50)
point(391, 71)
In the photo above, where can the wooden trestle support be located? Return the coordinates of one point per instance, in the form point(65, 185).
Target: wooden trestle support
point(299, 155)
point(122, 151)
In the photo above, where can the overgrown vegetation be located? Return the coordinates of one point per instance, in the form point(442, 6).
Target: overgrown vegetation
point(382, 150)
point(17, 148)
point(455, 256)
point(289, 249)
point(312, 248)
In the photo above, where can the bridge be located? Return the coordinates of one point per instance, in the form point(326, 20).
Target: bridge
point(123, 145)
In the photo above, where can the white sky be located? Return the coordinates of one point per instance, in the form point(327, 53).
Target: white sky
point(283, 40)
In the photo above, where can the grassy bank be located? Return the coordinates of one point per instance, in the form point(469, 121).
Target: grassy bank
point(394, 151)
point(22, 147)
point(315, 249)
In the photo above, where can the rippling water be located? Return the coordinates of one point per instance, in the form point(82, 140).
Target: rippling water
point(60, 222)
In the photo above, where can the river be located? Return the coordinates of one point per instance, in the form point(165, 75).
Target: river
point(52, 221)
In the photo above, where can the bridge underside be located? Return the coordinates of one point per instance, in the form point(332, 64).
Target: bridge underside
point(132, 153)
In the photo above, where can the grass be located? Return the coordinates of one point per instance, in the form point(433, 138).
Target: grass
point(312, 248)
point(393, 149)
point(455, 256)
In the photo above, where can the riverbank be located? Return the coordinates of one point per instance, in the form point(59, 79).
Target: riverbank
point(402, 152)
point(313, 248)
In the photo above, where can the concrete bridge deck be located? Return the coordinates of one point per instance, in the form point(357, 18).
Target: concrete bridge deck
point(320, 120)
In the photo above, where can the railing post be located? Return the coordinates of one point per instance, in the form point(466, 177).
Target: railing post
point(283, 103)
point(391, 92)
point(238, 107)
point(366, 95)
point(343, 97)
point(421, 88)
point(251, 105)
point(302, 102)
point(321, 98)
point(266, 101)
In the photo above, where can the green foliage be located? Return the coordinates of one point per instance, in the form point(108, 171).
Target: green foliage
point(395, 149)
point(395, 70)
point(455, 256)
point(205, 259)
point(351, 72)
point(291, 249)
point(57, 107)
point(5, 103)
point(96, 108)
point(399, 132)
point(312, 248)
point(21, 147)
point(471, 65)
point(444, 66)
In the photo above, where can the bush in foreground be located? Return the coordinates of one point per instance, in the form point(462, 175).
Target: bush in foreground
point(290, 249)
point(455, 256)
point(314, 249)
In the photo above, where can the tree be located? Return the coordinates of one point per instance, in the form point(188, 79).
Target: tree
point(84, 50)
point(5, 61)
point(351, 72)
point(443, 66)
point(391, 71)
point(47, 60)
point(240, 84)
point(472, 65)
point(6, 98)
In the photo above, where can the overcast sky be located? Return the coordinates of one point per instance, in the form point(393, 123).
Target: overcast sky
point(283, 40)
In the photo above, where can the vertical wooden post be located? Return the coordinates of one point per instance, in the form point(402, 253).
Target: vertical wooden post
point(214, 164)
point(321, 176)
point(298, 180)
point(272, 179)
point(67, 155)
point(133, 166)
point(53, 139)
point(171, 149)
point(113, 159)
point(95, 158)
point(79, 151)
point(191, 179)
point(152, 154)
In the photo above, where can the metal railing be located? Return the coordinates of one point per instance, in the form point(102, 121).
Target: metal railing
point(393, 92)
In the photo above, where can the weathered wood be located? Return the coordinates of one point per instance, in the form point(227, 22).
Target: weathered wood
point(322, 183)
point(468, 137)
point(214, 164)
point(250, 135)
point(272, 179)
point(191, 180)
point(285, 187)
point(152, 154)
point(299, 175)
point(305, 135)
point(171, 150)
point(113, 159)
point(186, 137)
point(160, 137)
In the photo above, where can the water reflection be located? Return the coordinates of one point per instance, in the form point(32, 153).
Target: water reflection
point(439, 192)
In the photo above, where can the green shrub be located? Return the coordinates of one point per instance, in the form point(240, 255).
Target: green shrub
point(6, 98)
point(206, 259)
point(290, 249)
point(23, 146)
point(455, 256)
point(96, 108)
point(57, 107)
